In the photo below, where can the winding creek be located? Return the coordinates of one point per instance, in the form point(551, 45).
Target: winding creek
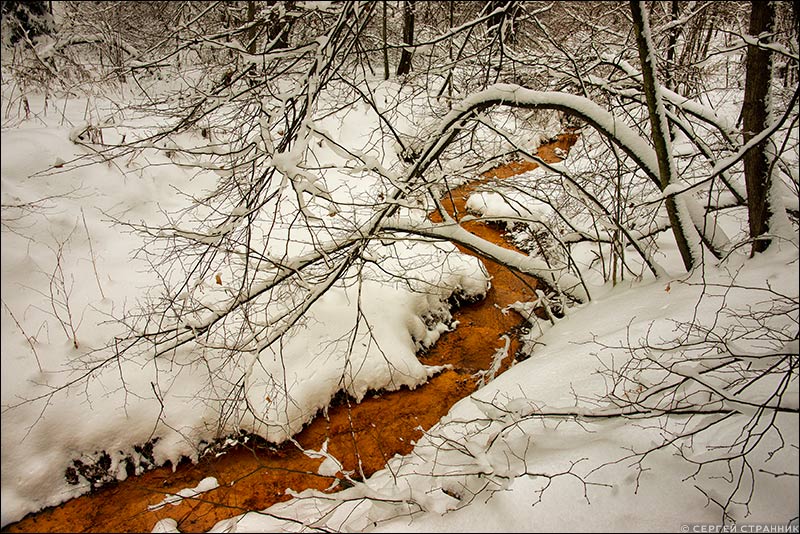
point(362, 436)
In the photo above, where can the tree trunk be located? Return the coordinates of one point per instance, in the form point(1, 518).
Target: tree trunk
point(251, 33)
point(404, 67)
point(279, 27)
point(671, 44)
point(496, 22)
point(385, 45)
point(660, 132)
point(755, 119)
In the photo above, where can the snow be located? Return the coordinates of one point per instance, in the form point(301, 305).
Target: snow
point(492, 204)
point(45, 239)
point(564, 473)
point(394, 317)
point(38, 243)
point(565, 281)
point(539, 447)
point(207, 484)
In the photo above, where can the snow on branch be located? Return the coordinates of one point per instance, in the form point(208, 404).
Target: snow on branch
point(560, 277)
point(603, 120)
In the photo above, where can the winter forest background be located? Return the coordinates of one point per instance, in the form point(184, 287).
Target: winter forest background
point(221, 220)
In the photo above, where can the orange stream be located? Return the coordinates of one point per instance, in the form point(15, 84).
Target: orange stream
point(256, 475)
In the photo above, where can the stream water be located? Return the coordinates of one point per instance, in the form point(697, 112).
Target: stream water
point(361, 436)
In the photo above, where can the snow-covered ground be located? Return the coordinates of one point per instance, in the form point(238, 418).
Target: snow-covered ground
point(72, 266)
point(493, 465)
point(536, 449)
point(542, 448)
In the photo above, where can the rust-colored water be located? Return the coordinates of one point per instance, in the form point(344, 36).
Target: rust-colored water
point(362, 436)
